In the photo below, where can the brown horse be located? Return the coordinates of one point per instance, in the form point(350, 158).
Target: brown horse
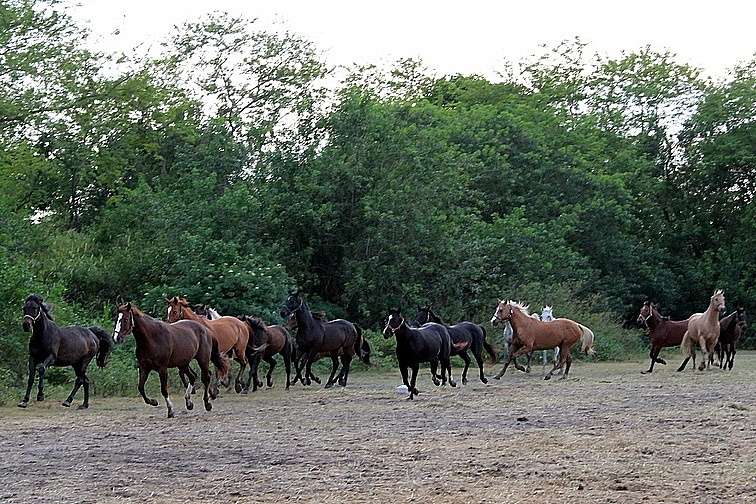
point(662, 332)
point(731, 329)
point(266, 342)
point(532, 334)
point(231, 333)
point(703, 328)
point(160, 346)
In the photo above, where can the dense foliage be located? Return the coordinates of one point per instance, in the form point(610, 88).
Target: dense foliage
point(227, 170)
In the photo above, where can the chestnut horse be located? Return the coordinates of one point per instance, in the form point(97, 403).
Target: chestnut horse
point(231, 333)
point(662, 332)
point(160, 346)
point(266, 342)
point(703, 329)
point(531, 334)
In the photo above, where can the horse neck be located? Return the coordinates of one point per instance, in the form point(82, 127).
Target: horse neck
point(144, 328)
point(305, 320)
point(42, 327)
point(654, 320)
point(711, 312)
point(188, 314)
point(403, 332)
point(432, 317)
point(519, 320)
point(727, 322)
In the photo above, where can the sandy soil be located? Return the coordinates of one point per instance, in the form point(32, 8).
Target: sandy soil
point(608, 434)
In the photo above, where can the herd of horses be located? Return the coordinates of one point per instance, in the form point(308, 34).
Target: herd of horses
point(196, 333)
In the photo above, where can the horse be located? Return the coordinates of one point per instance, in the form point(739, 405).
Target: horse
point(429, 343)
point(160, 346)
point(205, 311)
point(338, 338)
point(703, 328)
point(531, 334)
point(662, 332)
point(731, 328)
point(52, 345)
point(266, 342)
point(231, 333)
point(464, 336)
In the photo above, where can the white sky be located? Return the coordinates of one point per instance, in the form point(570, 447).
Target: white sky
point(471, 36)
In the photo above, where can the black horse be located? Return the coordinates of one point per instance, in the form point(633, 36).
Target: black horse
point(430, 343)
point(51, 345)
point(464, 336)
point(731, 329)
point(340, 339)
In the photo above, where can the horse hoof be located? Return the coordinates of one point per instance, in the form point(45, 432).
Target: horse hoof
point(171, 414)
point(40, 398)
point(82, 406)
point(208, 406)
point(547, 377)
point(23, 404)
point(527, 370)
point(452, 383)
point(66, 404)
point(238, 387)
point(464, 381)
point(410, 398)
point(245, 391)
point(436, 382)
point(189, 405)
point(152, 402)
point(329, 385)
point(497, 377)
point(484, 380)
point(194, 389)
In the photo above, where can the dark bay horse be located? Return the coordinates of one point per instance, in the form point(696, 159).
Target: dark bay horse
point(266, 342)
point(429, 343)
point(161, 346)
point(51, 345)
point(231, 333)
point(532, 334)
point(338, 338)
point(464, 336)
point(731, 329)
point(662, 332)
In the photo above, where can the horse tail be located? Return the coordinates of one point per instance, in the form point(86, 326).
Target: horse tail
point(489, 348)
point(219, 361)
point(361, 345)
point(105, 347)
point(587, 339)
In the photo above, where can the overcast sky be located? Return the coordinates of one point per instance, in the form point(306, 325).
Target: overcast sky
point(471, 36)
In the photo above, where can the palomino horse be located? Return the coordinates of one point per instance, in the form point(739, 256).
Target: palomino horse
point(231, 333)
point(338, 338)
point(464, 336)
point(430, 343)
point(703, 329)
point(731, 328)
point(51, 345)
point(266, 342)
point(531, 334)
point(662, 332)
point(160, 346)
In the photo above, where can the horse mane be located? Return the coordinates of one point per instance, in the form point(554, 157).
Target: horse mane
point(727, 321)
point(520, 306)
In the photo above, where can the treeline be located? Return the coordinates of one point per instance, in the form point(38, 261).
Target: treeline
point(230, 167)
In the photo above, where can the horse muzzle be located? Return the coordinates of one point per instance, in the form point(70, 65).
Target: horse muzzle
point(26, 325)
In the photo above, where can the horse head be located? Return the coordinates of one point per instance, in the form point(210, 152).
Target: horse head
point(718, 300)
point(176, 307)
point(502, 314)
point(394, 322)
point(124, 324)
point(646, 312)
point(293, 303)
point(424, 315)
point(34, 308)
point(547, 314)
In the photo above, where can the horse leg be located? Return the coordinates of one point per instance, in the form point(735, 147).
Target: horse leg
point(163, 373)
point(479, 360)
point(42, 369)
point(287, 365)
point(527, 366)
point(465, 358)
point(238, 382)
point(447, 363)
point(653, 354)
point(253, 368)
point(705, 349)
point(413, 380)
point(510, 354)
point(79, 382)
point(188, 386)
point(334, 368)
point(403, 369)
point(271, 364)
point(434, 372)
point(346, 361)
point(557, 365)
point(568, 361)
point(204, 365)
point(143, 374)
point(732, 356)
point(29, 384)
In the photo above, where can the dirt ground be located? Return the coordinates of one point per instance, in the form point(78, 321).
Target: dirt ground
point(607, 434)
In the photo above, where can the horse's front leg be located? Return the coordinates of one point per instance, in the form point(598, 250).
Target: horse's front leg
point(334, 367)
point(163, 373)
point(413, 380)
point(143, 375)
point(42, 370)
point(188, 387)
point(705, 350)
point(527, 366)
point(29, 384)
point(557, 365)
point(239, 383)
point(434, 372)
point(466, 358)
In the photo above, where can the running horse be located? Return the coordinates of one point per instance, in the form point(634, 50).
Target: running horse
point(161, 346)
point(266, 342)
point(731, 329)
point(662, 332)
point(464, 336)
point(531, 334)
point(340, 339)
point(703, 329)
point(52, 345)
point(231, 333)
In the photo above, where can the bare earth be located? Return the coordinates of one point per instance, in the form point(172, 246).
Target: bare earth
point(608, 434)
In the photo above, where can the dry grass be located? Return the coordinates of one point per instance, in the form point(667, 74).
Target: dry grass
point(608, 434)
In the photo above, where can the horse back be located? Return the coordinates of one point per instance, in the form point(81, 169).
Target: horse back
point(339, 335)
point(72, 345)
point(670, 333)
point(229, 332)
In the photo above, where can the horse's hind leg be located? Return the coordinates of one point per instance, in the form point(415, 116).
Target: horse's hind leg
point(447, 362)
point(334, 368)
point(527, 366)
point(568, 363)
point(78, 383)
point(346, 362)
point(413, 380)
point(434, 372)
point(705, 349)
point(204, 365)
point(287, 365)
point(143, 374)
point(29, 384)
point(163, 373)
point(188, 387)
point(479, 359)
point(466, 359)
